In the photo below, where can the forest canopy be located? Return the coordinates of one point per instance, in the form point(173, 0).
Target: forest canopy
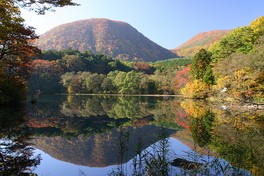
point(72, 71)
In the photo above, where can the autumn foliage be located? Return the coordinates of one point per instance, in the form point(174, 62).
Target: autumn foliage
point(233, 64)
point(182, 77)
point(16, 48)
point(114, 38)
point(199, 41)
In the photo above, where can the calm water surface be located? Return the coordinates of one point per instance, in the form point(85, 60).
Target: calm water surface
point(112, 135)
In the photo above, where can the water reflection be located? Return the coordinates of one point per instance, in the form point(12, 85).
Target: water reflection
point(86, 130)
point(98, 150)
point(240, 141)
point(136, 135)
point(235, 135)
point(16, 154)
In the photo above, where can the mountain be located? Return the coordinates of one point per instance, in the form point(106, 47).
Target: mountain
point(100, 150)
point(201, 40)
point(115, 38)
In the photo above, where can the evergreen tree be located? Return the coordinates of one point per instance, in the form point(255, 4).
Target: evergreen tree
point(200, 62)
point(208, 77)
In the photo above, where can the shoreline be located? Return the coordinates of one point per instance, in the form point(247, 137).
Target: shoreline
point(127, 95)
point(224, 103)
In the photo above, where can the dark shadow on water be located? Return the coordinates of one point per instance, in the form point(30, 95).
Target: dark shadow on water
point(16, 154)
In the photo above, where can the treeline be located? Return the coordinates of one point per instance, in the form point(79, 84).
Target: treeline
point(72, 71)
point(119, 82)
point(232, 67)
point(74, 60)
point(47, 71)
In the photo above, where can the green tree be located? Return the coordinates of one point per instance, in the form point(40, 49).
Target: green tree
point(71, 63)
point(200, 62)
point(72, 82)
point(108, 86)
point(147, 86)
point(131, 82)
point(240, 40)
point(93, 83)
point(209, 77)
point(126, 83)
point(51, 55)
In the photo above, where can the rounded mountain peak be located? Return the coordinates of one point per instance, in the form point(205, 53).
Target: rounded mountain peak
point(99, 35)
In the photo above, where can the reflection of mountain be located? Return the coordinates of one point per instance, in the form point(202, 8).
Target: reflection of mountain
point(99, 150)
point(84, 130)
point(185, 137)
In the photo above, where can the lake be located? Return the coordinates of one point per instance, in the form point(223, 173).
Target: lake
point(130, 135)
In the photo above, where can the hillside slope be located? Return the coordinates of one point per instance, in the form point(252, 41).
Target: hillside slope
point(109, 37)
point(201, 40)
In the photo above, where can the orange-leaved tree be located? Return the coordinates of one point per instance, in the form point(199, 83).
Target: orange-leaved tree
point(15, 50)
point(16, 45)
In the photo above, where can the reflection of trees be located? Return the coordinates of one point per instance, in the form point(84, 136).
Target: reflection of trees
point(158, 160)
point(85, 106)
point(73, 126)
point(16, 155)
point(239, 139)
point(99, 114)
point(169, 114)
point(91, 123)
point(113, 106)
point(201, 128)
point(166, 112)
point(50, 119)
point(237, 136)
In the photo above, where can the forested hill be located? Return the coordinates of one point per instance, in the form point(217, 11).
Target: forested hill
point(114, 38)
point(199, 41)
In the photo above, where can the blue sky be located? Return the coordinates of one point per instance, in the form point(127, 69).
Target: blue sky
point(168, 23)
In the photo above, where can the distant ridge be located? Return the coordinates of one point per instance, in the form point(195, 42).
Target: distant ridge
point(114, 38)
point(201, 40)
